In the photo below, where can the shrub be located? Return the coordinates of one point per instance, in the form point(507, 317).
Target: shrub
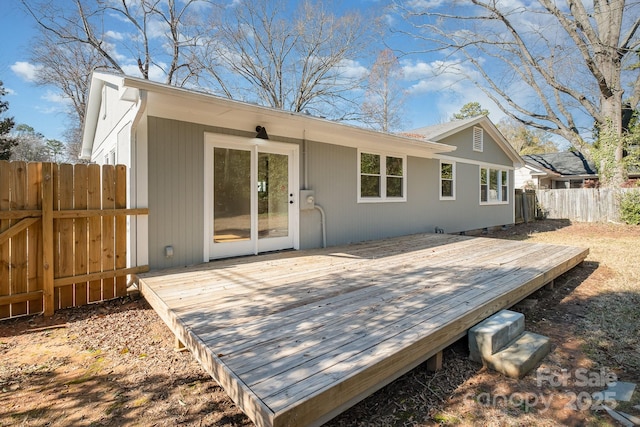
point(630, 207)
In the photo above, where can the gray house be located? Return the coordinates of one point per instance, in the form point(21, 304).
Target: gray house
point(223, 178)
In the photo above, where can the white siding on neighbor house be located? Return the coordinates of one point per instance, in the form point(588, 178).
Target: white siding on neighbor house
point(523, 177)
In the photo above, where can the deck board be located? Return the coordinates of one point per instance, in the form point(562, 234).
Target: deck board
point(297, 337)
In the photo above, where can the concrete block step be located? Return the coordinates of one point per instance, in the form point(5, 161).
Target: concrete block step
point(495, 332)
point(519, 356)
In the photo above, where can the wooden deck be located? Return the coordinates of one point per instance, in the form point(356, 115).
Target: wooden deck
point(295, 338)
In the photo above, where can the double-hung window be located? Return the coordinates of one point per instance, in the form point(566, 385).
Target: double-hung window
point(494, 185)
point(381, 178)
point(447, 180)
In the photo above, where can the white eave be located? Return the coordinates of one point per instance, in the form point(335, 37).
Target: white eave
point(210, 110)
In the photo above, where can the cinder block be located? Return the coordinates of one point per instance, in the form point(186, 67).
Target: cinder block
point(494, 333)
point(520, 356)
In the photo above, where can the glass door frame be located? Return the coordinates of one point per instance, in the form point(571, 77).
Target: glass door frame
point(255, 245)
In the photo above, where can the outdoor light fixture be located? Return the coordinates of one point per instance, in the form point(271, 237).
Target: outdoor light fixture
point(262, 132)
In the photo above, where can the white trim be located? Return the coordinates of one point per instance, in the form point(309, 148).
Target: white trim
point(383, 182)
point(253, 145)
point(489, 202)
point(453, 180)
point(472, 162)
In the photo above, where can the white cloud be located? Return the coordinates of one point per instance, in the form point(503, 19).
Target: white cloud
point(350, 68)
point(115, 35)
point(10, 91)
point(157, 29)
point(156, 73)
point(424, 4)
point(56, 98)
point(25, 70)
point(437, 75)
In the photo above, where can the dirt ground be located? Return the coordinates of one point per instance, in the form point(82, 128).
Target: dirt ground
point(114, 364)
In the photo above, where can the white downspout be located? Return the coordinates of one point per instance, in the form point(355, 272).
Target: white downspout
point(134, 181)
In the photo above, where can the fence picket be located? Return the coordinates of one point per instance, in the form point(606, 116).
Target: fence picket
point(19, 243)
point(64, 236)
point(94, 201)
point(34, 237)
point(581, 204)
point(108, 230)
point(5, 261)
point(80, 230)
point(120, 202)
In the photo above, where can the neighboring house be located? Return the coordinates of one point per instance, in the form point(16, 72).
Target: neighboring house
point(568, 169)
point(224, 178)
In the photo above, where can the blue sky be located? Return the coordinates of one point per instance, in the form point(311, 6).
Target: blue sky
point(39, 107)
point(431, 99)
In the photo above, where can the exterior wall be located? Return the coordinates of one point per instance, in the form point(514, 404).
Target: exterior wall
point(176, 180)
point(176, 190)
point(333, 176)
point(111, 144)
point(523, 177)
point(491, 153)
point(176, 196)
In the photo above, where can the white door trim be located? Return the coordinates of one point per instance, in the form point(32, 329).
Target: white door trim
point(254, 145)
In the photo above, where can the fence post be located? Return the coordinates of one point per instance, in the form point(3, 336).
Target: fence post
point(47, 238)
point(525, 207)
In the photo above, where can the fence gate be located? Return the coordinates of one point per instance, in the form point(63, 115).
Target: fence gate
point(63, 236)
point(525, 206)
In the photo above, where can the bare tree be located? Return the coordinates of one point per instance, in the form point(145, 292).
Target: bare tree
point(155, 35)
point(546, 64)
point(526, 140)
point(298, 61)
point(385, 97)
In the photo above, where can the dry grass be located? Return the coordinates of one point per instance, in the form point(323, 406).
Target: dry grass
point(113, 364)
point(611, 324)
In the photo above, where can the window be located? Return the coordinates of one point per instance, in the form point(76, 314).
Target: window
point(494, 186)
point(478, 139)
point(447, 181)
point(381, 177)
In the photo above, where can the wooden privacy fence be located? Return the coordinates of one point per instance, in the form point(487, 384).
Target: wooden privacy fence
point(63, 236)
point(581, 204)
point(525, 206)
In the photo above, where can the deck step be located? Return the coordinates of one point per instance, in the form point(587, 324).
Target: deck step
point(520, 356)
point(501, 343)
point(494, 333)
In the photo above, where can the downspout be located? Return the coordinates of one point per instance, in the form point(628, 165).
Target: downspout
point(305, 156)
point(142, 106)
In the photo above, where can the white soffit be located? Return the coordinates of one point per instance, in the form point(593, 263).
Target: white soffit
point(195, 107)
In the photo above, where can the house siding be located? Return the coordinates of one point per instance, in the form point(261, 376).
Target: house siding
point(491, 153)
point(115, 115)
point(333, 176)
point(176, 202)
point(176, 186)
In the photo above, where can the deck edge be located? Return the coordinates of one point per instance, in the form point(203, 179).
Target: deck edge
point(246, 400)
point(321, 407)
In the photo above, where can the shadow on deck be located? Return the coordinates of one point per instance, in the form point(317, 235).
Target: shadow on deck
point(295, 338)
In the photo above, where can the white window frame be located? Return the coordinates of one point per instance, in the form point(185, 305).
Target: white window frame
point(500, 192)
point(383, 178)
point(478, 139)
point(453, 180)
